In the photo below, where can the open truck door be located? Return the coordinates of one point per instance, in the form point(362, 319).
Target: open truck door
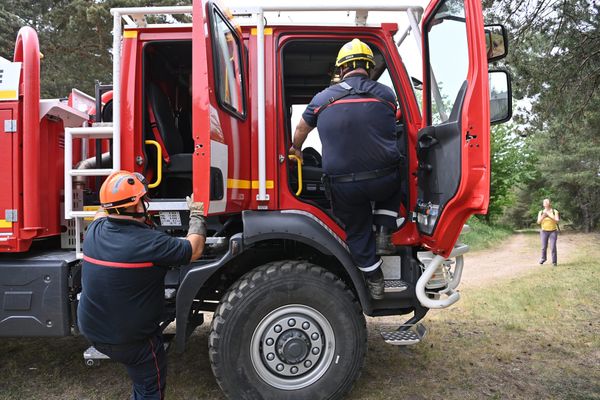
point(201, 106)
point(453, 147)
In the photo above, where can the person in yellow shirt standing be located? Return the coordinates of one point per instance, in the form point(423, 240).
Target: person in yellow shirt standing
point(548, 219)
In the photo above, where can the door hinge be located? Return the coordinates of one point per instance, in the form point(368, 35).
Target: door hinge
point(10, 125)
point(11, 216)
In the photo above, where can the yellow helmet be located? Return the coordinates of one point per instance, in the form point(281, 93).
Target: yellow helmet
point(354, 51)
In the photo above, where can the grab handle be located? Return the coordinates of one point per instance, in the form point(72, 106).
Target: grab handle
point(299, 161)
point(158, 163)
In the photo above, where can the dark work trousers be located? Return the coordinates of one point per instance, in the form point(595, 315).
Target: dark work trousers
point(146, 364)
point(548, 236)
point(361, 206)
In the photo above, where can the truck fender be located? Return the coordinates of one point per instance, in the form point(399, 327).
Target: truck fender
point(304, 227)
point(193, 280)
point(295, 225)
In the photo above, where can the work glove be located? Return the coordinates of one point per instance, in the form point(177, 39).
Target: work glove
point(197, 225)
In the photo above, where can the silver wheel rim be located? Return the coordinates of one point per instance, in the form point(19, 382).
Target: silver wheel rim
point(292, 347)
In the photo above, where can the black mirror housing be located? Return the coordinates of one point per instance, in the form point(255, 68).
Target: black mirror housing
point(500, 96)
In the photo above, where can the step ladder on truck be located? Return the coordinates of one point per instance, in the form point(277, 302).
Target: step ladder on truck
point(206, 106)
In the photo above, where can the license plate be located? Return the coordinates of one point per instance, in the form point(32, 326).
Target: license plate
point(170, 218)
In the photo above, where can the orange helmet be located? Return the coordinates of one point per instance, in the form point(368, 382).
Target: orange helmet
point(122, 189)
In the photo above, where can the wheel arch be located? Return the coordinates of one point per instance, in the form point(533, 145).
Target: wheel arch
point(264, 226)
point(304, 227)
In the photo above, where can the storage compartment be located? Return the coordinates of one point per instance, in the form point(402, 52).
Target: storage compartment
point(34, 298)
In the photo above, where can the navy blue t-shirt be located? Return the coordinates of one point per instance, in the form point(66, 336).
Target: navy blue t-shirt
point(356, 136)
point(122, 279)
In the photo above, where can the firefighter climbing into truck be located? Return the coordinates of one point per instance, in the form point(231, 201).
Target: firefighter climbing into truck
point(208, 107)
point(361, 158)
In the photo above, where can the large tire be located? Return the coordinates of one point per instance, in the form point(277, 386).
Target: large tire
point(288, 330)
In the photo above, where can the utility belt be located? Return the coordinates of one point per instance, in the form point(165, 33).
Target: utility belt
point(359, 176)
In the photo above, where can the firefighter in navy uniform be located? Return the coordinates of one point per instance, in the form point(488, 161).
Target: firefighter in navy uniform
point(356, 120)
point(124, 267)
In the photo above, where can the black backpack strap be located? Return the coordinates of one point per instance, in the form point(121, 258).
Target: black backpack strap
point(352, 91)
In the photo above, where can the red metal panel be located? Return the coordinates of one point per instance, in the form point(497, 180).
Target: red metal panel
point(201, 106)
point(6, 177)
point(52, 174)
point(131, 104)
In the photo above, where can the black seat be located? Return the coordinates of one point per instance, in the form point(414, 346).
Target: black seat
point(177, 173)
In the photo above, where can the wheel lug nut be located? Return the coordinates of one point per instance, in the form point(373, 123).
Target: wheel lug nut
point(305, 325)
point(294, 370)
point(315, 350)
point(270, 342)
point(314, 336)
point(277, 328)
point(292, 322)
point(307, 364)
point(279, 367)
point(271, 357)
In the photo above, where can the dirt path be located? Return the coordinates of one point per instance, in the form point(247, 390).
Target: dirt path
point(518, 255)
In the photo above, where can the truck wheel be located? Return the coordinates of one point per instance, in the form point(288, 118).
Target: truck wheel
point(288, 330)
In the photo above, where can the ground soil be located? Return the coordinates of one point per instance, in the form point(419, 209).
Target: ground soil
point(514, 257)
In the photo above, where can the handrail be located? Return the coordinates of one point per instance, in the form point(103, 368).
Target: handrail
point(27, 51)
point(299, 161)
point(453, 296)
point(158, 163)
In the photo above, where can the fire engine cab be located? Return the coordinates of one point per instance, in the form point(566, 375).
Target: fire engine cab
point(208, 106)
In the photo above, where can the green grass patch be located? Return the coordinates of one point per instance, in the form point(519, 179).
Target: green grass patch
point(483, 236)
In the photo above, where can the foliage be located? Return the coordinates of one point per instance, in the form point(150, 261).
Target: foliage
point(555, 60)
point(75, 38)
point(512, 164)
point(484, 235)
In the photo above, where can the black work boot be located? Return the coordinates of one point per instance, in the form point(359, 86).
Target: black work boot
point(375, 284)
point(383, 244)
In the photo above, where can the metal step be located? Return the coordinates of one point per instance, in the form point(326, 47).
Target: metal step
point(92, 357)
point(406, 337)
point(394, 286)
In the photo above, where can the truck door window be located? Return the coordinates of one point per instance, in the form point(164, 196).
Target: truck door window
point(228, 66)
point(449, 60)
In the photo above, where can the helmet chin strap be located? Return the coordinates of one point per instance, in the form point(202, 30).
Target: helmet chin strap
point(147, 219)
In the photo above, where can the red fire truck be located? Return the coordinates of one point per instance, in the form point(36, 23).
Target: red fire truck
point(207, 107)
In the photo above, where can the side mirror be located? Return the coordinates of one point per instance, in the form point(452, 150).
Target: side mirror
point(500, 97)
point(496, 42)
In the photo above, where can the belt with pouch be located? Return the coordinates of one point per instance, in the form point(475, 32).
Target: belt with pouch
point(360, 176)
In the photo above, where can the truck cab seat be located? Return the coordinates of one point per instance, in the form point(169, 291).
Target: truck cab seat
point(180, 160)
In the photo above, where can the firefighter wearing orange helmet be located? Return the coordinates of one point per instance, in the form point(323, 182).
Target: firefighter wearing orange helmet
point(356, 120)
point(122, 277)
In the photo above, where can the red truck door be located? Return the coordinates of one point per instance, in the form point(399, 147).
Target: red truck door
point(201, 106)
point(453, 145)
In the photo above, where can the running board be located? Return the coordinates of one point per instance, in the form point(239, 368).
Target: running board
point(407, 337)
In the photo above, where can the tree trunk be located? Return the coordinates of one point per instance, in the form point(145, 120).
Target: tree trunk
point(586, 218)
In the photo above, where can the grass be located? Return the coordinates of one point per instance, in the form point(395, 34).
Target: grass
point(483, 236)
point(533, 337)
